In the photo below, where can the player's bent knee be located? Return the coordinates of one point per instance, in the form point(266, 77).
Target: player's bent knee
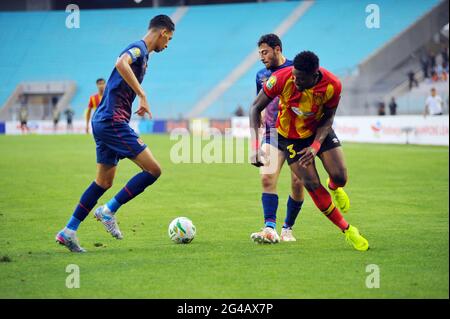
point(155, 170)
point(339, 179)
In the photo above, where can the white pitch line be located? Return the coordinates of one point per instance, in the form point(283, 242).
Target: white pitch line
point(247, 63)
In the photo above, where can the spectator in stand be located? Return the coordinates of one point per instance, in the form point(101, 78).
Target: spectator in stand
point(381, 109)
point(69, 117)
point(239, 111)
point(439, 72)
point(444, 54)
point(393, 107)
point(424, 62)
point(412, 80)
point(434, 76)
point(433, 104)
point(56, 116)
point(23, 118)
point(445, 70)
point(432, 58)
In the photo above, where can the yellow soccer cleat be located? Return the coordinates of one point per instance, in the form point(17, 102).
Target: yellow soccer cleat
point(354, 238)
point(340, 198)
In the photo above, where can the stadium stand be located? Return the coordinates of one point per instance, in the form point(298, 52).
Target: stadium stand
point(210, 41)
point(324, 30)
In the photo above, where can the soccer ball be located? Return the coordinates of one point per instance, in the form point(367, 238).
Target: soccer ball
point(181, 230)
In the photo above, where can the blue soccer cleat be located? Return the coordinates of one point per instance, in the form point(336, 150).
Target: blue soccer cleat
point(70, 241)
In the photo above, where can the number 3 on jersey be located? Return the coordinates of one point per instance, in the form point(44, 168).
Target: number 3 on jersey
point(291, 150)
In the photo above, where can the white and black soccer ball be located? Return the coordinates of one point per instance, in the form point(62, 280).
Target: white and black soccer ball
point(181, 230)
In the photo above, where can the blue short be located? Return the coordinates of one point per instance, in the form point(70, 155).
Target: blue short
point(115, 141)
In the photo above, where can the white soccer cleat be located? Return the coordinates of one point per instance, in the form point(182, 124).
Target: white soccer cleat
point(104, 215)
point(266, 236)
point(70, 241)
point(286, 235)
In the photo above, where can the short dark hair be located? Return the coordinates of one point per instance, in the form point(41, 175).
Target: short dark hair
point(100, 80)
point(272, 40)
point(307, 62)
point(162, 21)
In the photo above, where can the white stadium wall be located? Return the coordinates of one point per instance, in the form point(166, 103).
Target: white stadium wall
point(403, 129)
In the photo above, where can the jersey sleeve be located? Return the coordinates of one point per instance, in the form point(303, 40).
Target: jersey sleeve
point(135, 52)
point(333, 102)
point(258, 84)
point(274, 85)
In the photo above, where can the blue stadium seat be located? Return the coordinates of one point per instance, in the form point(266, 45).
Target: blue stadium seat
point(338, 35)
point(209, 42)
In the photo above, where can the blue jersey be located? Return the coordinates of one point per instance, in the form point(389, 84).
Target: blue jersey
point(264, 74)
point(272, 109)
point(118, 98)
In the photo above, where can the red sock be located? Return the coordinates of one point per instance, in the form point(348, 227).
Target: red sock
point(337, 219)
point(323, 201)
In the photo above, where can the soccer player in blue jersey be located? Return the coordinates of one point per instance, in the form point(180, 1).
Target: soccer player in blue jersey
point(271, 54)
point(115, 139)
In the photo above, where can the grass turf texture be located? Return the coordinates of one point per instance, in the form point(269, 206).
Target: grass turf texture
point(399, 198)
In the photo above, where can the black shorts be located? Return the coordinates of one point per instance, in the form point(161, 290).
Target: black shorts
point(291, 147)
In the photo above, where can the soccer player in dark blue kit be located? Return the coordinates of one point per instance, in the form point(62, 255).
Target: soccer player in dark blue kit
point(271, 55)
point(115, 139)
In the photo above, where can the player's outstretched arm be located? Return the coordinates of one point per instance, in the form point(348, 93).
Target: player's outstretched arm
point(260, 103)
point(124, 69)
point(308, 154)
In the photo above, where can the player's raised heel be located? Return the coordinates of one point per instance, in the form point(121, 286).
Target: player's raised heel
point(340, 198)
point(266, 236)
point(71, 242)
point(286, 235)
point(103, 215)
point(354, 238)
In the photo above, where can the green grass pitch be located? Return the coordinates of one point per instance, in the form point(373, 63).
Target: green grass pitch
point(399, 198)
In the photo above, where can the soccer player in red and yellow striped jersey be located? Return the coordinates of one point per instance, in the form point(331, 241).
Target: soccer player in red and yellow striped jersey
point(309, 96)
point(94, 101)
